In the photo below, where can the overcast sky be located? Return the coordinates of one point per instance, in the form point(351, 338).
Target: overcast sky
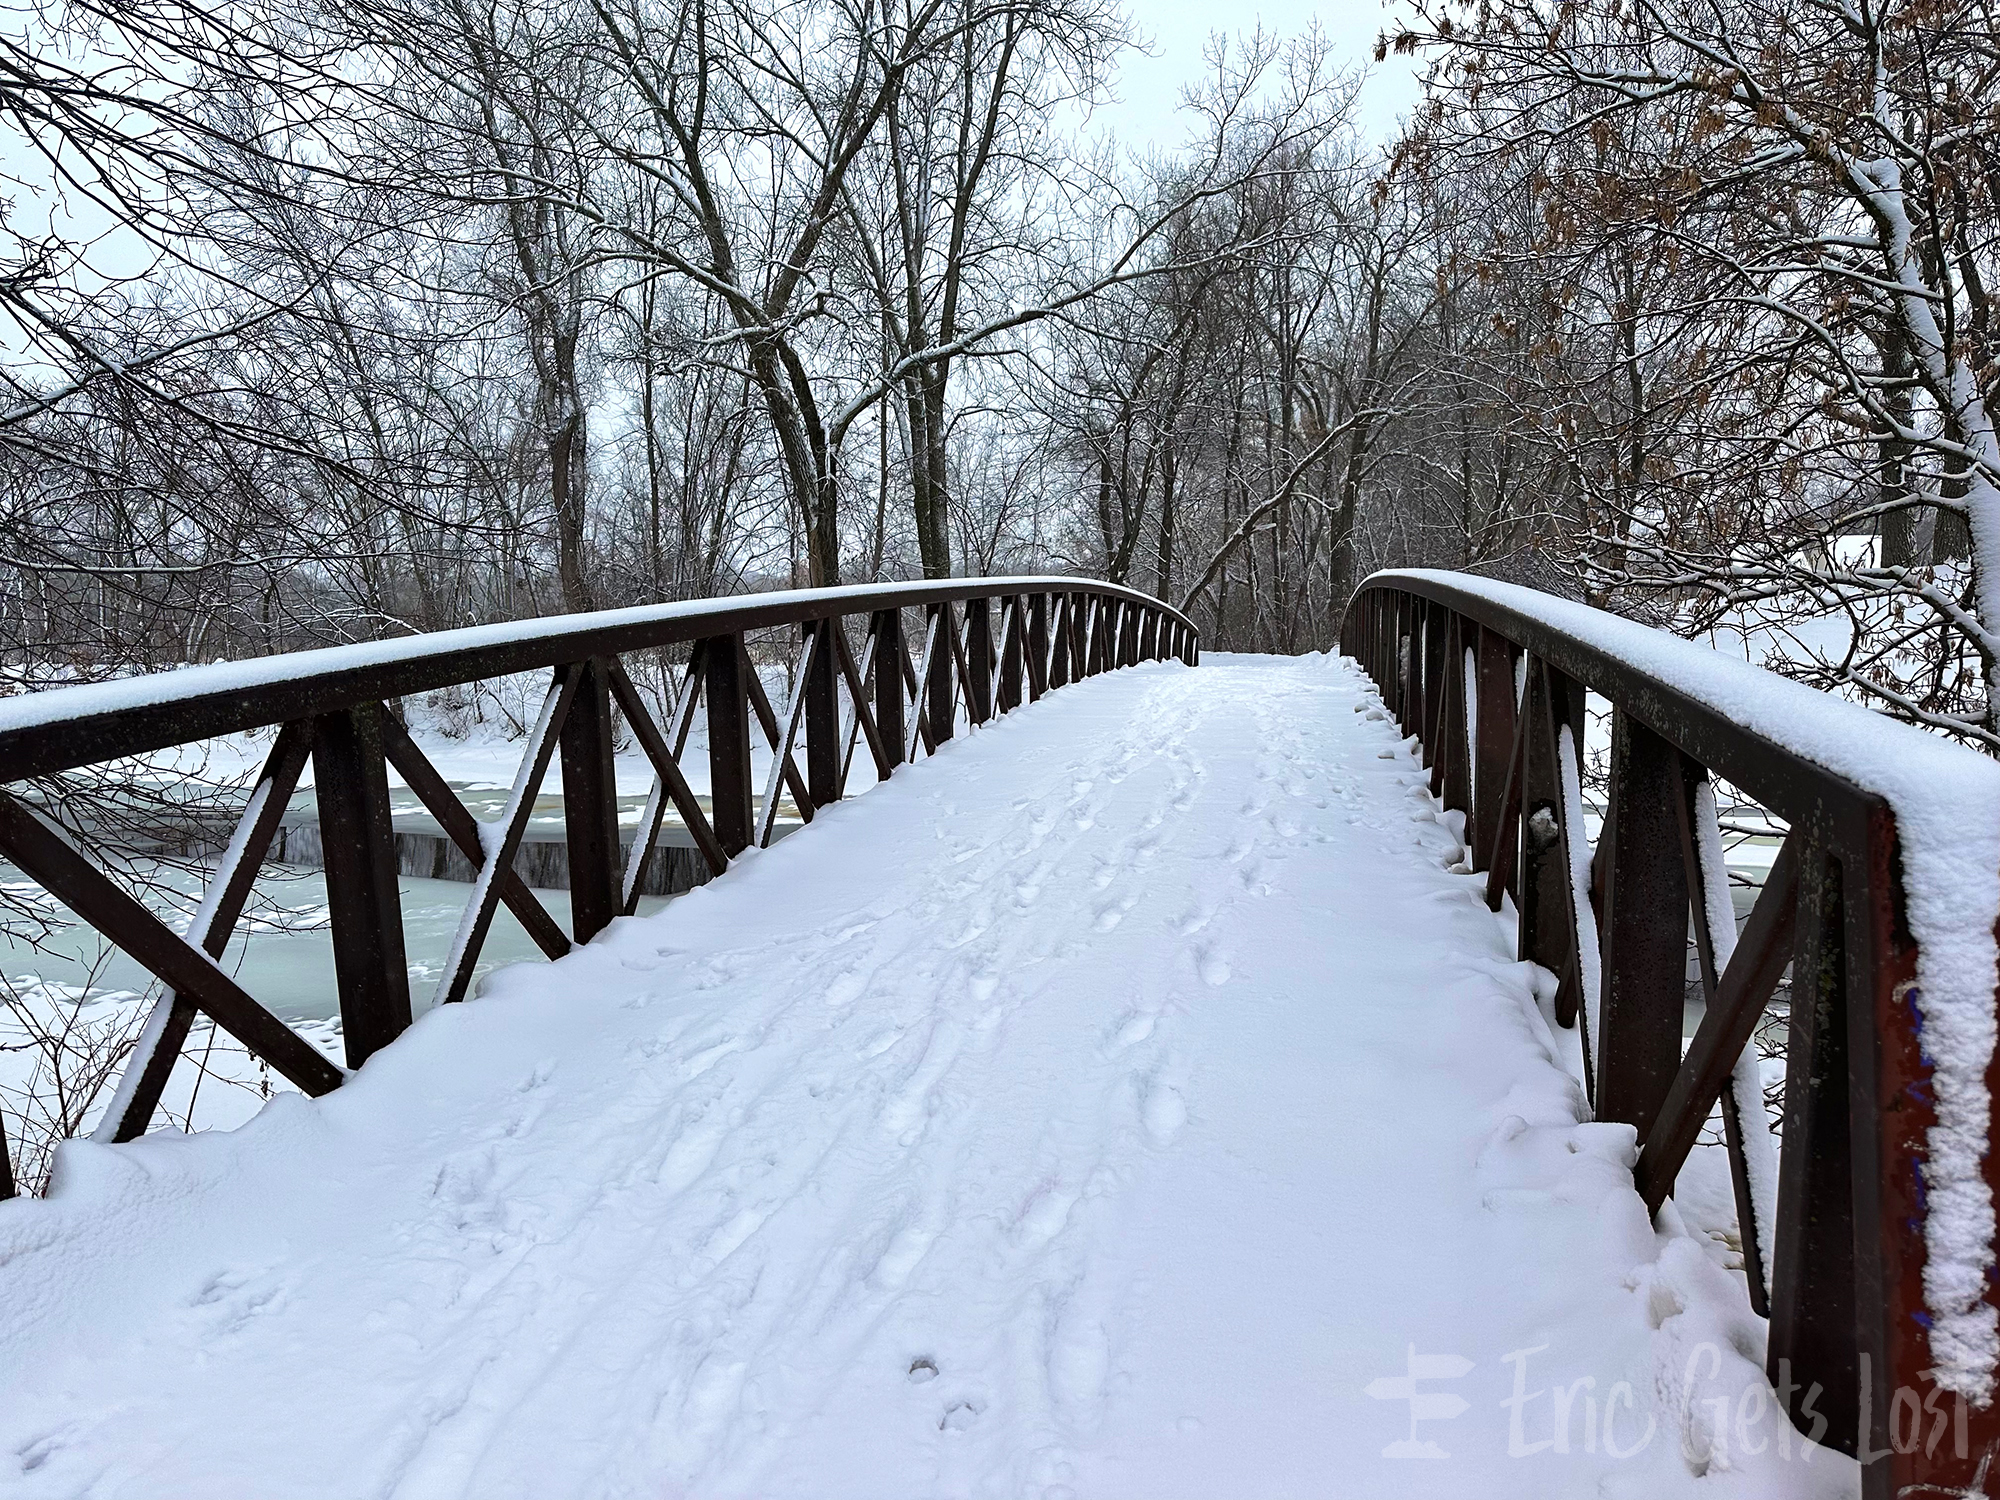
point(1150, 86)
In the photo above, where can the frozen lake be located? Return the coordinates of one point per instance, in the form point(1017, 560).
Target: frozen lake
point(282, 953)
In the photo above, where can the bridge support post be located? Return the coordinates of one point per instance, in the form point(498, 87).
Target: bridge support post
point(1010, 656)
point(1038, 645)
point(978, 661)
point(351, 783)
point(1545, 936)
point(1645, 925)
point(590, 805)
point(940, 692)
point(890, 658)
point(1493, 746)
point(1437, 694)
point(1455, 782)
point(1409, 665)
point(822, 715)
point(723, 665)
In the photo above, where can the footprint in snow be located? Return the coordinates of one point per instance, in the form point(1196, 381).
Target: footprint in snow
point(1112, 914)
point(1165, 1112)
point(1135, 1030)
point(959, 1416)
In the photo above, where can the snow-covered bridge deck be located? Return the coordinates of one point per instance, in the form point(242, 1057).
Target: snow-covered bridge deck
point(1095, 1109)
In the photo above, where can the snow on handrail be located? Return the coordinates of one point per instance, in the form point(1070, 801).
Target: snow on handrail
point(225, 697)
point(1889, 899)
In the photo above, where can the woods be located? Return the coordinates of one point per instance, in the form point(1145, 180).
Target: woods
point(357, 319)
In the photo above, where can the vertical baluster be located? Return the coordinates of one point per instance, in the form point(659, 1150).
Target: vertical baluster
point(351, 781)
point(1437, 697)
point(728, 700)
point(590, 805)
point(1645, 927)
point(978, 661)
point(1544, 889)
point(1456, 740)
point(1010, 657)
point(1410, 668)
point(890, 657)
point(1493, 746)
point(1062, 659)
point(1038, 646)
point(1385, 630)
point(1813, 1311)
point(823, 743)
point(941, 688)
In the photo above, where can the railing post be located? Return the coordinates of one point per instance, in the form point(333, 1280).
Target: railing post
point(823, 746)
point(1493, 744)
point(1437, 692)
point(1544, 878)
point(723, 665)
point(590, 805)
point(1893, 1106)
point(1455, 782)
point(351, 783)
point(940, 692)
point(1814, 1323)
point(1409, 665)
point(890, 655)
point(1010, 659)
point(1645, 928)
point(1378, 646)
point(978, 661)
point(1038, 645)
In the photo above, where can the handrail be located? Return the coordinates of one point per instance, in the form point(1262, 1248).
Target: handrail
point(1855, 1239)
point(332, 706)
point(100, 721)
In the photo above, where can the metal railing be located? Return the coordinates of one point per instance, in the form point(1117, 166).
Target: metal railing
point(332, 706)
point(1497, 697)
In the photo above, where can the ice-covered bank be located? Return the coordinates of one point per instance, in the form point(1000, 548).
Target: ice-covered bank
point(1129, 1102)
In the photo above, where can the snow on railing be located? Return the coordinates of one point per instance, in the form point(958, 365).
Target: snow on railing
point(1869, 1242)
point(334, 709)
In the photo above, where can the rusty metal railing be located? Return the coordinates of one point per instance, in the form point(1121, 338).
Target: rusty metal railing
point(332, 705)
point(1497, 695)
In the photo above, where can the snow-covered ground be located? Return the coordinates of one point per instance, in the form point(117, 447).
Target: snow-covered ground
point(1131, 1101)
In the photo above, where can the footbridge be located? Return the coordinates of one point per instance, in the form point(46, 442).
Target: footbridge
point(1177, 1075)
